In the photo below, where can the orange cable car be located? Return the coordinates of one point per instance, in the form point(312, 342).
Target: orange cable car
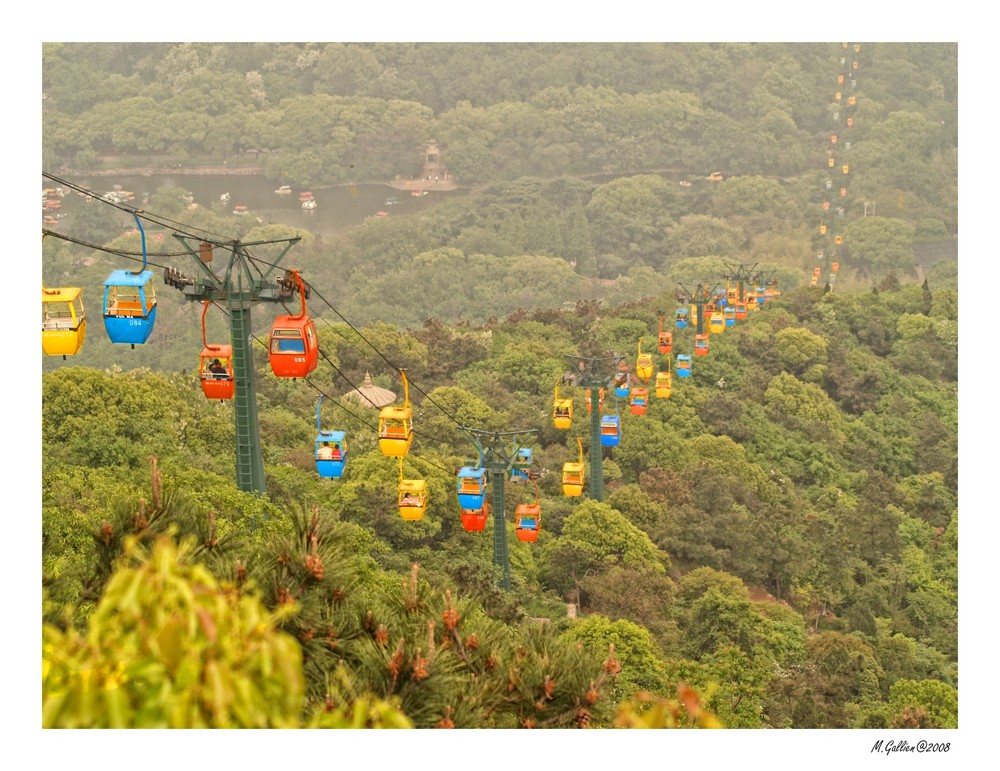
point(600, 400)
point(412, 498)
point(637, 401)
point(215, 370)
point(528, 520)
point(665, 339)
point(395, 425)
point(572, 475)
point(562, 411)
point(64, 323)
point(740, 309)
point(294, 344)
point(701, 345)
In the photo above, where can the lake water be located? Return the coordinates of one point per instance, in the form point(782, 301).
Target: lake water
point(338, 208)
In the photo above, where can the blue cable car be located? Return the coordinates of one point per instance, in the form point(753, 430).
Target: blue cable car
point(621, 385)
point(130, 302)
point(682, 318)
point(471, 487)
point(729, 313)
point(331, 451)
point(683, 368)
point(611, 431)
point(523, 459)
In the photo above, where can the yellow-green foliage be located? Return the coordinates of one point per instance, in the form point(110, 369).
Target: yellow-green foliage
point(168, 647)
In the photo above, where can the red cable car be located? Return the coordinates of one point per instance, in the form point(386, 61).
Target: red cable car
point(216, 368)
point(474, 520)
point(294, 344)
point(528, 520)
point(665, 339)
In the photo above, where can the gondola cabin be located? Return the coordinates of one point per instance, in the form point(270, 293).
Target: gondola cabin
point(717, 322)
point(129, 306)
point(562, 412)
point(528, 521)
point(474, 520)
point(395, 430)
point(644, 367)
point(701, 345)
point(523, 460)
point(64, 323)
point(294, 346)
point(682, 318)
point(572, 479)
point(471, 487)
point(331, 454)
point(683, 365)
point(600, 400)
point(666, 342)
point(740, 310)
point(621, 385)
point(752, 302)
point(637, 401)
point(216, 372)
point(729, 314)
point(611, 431)
point(412, 499)
point(663, 385)
point(769, 295)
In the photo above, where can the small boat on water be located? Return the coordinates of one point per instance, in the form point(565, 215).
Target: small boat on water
point(309, 204)
point(381, 214)
point(418, 192)
point(224, 197)
point(284, 190)
point(241, 210)
point(305, 195)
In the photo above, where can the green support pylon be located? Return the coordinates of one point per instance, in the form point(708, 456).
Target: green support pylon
point(501, 557)
point(596, 453)
point(238, 287)
point(498, 461)
point(593, 377)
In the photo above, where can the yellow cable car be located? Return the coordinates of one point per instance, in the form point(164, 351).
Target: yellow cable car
point(663, 385)
point(412, 498)
point(395, 425)
point(562, 411)
point(643, 365)
point(572, 475)
point(717, 322)
point(64, 322)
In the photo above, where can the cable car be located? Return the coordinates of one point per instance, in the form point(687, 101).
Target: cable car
point(740, 310)
point(528, 520)
point(294, 344)
point(562, 411)
point(215, 368)
point(683, 365)
point(412, 498)
point(643, 364)
point(682, 318)
point(611, 430)
point(600, 400)
point(850, 122)
point(663, 385)
point(64, 322)
point(621, 385)
point(330, 450)
point(395, 425)
point(729, 314)
point(717, 322)
point(664, 339)
point(523, 459)
point(752, 302)
point(474, 520)
point(637, 402)
point(572, 475)
point(471, 487)
point(701, 345)
point(130, 301)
